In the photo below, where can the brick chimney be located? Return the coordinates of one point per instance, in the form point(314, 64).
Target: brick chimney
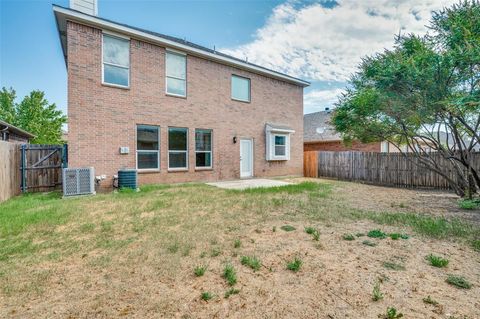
point(86, 6)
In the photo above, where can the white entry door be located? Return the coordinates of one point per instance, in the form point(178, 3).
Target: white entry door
point(246, 158)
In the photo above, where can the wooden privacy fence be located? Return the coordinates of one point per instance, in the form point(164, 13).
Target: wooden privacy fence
point(30, 168)
point(389, 169)
point(41, 167)
point(10, 176)
point(310, 164)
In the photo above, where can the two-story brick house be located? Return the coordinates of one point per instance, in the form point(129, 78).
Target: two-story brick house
point(174, 110)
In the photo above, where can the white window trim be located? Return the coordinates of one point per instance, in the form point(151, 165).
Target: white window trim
point(173, 169)
point(170, 51)
point(147, 151)
point(249, 88)
point(211, 150)
point(273, 156)
point(113, 35)
point(275, 145)
point(270, 133)
point(384, 147)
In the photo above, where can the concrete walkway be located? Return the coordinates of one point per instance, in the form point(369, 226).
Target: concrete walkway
point(248, 183)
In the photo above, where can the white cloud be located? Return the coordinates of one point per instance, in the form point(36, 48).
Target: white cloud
point(319, 43)
point(317, 100)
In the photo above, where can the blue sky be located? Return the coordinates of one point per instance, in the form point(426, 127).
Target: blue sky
point(320, 41)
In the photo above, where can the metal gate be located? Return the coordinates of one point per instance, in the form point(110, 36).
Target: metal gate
point(41, 167)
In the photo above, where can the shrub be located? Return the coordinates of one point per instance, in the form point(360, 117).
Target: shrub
point(199, 270)
point(459, 281)
point(376, 233)
point(230, 275)
point(252, 262)
point(294, 265)
point(437, 261)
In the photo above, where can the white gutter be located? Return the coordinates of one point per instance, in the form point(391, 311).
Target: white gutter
point(100, 23)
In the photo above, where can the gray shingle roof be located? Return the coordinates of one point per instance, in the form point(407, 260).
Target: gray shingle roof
point(317, 127)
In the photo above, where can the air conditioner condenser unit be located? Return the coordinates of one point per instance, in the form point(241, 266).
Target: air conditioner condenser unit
point(78, 181)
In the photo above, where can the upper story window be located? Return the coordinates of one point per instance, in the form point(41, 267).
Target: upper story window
point(176, 73)
point(148, 147)
point(116, 61)
point(240, 88)
point(203, 148)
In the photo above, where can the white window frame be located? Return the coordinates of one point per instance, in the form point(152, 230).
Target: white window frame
point(137, 151)
point(274, 148)
point(175, 52)
point(211, 149)
point(249, 88)
point(113, 35)
point(270, 133)
point(175, 151)
point(384, 147)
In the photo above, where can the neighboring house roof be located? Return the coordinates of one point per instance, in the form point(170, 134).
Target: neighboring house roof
point(63, 14)
point(15, 130)
point(317, 128)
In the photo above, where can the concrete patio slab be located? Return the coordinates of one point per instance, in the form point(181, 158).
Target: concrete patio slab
point(249, 183)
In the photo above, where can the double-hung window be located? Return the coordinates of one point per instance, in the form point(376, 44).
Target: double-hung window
point(147, 147)
point(203, 148)
point(240, 88)
point(176, 73)
point(280, 148)
point(116, 61)
point(177, 148)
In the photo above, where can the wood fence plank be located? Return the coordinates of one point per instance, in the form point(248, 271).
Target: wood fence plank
point(389, 169)
point(9, 170)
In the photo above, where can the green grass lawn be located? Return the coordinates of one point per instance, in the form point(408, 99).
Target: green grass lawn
point(162, 224)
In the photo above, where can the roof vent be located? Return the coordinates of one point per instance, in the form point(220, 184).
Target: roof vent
point(86, 6)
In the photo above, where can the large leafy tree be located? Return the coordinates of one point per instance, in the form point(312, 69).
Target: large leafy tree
point(425, 94)
point(33, 114)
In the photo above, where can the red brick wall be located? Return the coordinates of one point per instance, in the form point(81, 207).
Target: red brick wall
point(338, 146)
point(102, 118)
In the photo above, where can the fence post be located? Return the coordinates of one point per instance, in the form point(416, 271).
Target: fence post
point(65, 156)
point(23, 182)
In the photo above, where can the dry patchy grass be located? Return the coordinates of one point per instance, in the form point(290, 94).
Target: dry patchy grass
point(137, 254)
